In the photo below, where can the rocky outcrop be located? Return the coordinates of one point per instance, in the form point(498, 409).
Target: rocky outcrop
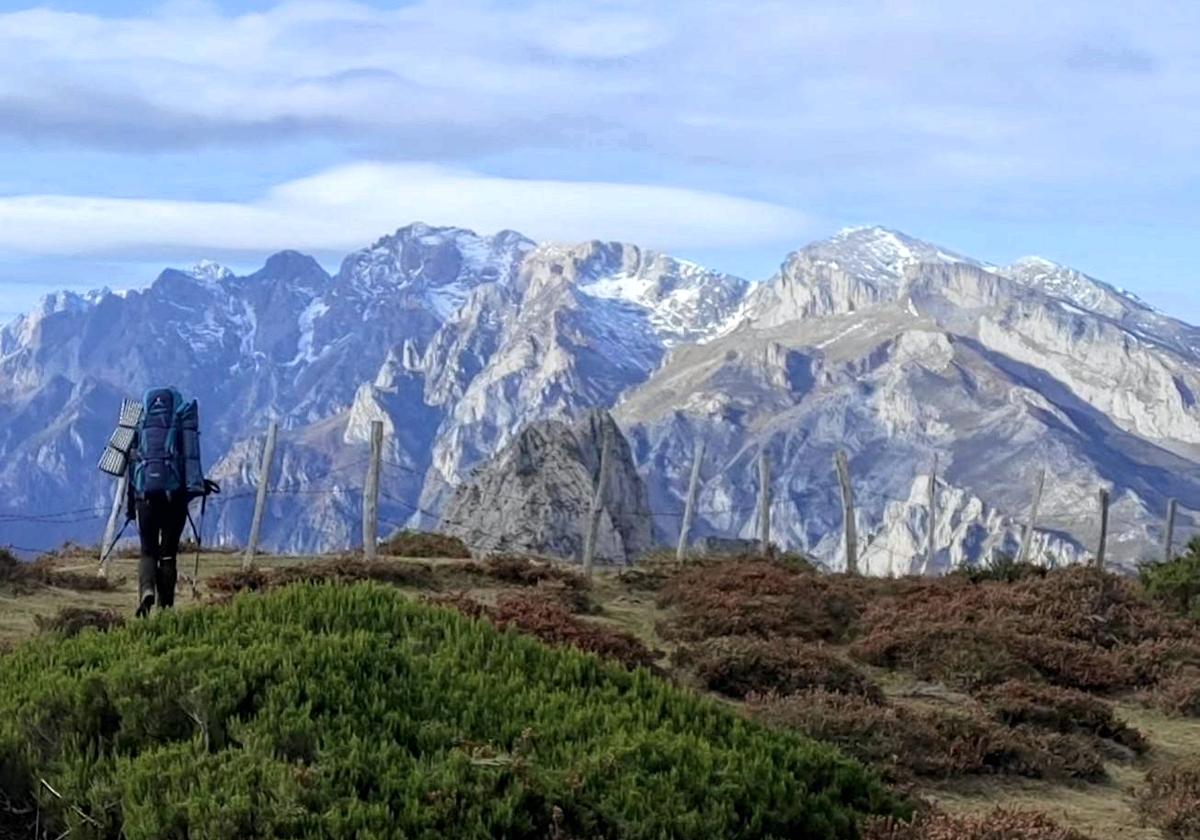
point(536, 494)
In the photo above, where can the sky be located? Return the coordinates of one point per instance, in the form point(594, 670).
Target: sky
point(137, 135)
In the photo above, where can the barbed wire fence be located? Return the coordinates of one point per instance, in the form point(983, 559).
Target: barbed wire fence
point(859, 548)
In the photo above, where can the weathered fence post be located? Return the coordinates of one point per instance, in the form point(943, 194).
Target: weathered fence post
point(685, 528)
point(589, 543)
point(110, 529)
point(260, 500)
point(1169, 545)
point(1102, 549)
point(931, 544)
point(850, 527)
point(370, 522)
point(1027, 537)
point(764, 502)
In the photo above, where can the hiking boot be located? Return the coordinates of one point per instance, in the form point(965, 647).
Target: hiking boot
point(145, 604)
point(164, 582)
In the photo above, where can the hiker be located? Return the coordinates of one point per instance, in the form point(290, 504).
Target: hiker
point(164, 476)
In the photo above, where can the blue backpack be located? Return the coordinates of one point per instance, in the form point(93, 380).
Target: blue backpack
point(168, 445)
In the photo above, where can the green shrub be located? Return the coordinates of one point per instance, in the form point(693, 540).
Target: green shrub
point(340, 711)
point(1002, 569)
point(1177, 582)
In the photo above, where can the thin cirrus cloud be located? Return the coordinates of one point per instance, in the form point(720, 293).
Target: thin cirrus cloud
point(346, 206)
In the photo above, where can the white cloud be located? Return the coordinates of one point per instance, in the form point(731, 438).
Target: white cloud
point(346, 207)
point(889, 93)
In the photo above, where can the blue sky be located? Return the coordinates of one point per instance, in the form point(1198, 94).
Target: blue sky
point(134, 135)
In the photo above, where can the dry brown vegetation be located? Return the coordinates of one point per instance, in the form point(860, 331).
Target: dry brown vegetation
point(906, 744)
point(754, 597)
point(346, 569)
point(20, 577)
point(1170, 799)
point(1041, 654)
point(738, 666)
point(554, 624)
point(425, 544)
point(1072, 628)
point(1060, 710)
point(1178, 694)
point(522, 571)
point(71, 621)
point(998, 825)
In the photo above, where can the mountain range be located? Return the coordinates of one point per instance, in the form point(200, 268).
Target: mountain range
point(893, 349)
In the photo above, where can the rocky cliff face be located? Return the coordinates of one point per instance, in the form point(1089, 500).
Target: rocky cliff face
point(900, 352)
point(536, 494)
point(891, 348)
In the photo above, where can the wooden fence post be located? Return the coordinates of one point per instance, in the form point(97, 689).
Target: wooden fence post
point(1169, 545)
point(1102, 549)
point(764, 502)
point(849, 526)
point(689, 507)
point(370, 522)
point(931, 545)
point(589, 543)
point(110, 529)
point(1027, 537)
point(260, 500)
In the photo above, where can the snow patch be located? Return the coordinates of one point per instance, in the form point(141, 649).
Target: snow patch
point(209, 271)
point(306, 322)
point(447, 299)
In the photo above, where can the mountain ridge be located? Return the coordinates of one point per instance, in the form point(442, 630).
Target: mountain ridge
point(458, 340)
point(206, 268)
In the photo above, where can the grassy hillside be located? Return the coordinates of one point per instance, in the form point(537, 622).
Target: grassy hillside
point(352, 711)
point(1069, 699)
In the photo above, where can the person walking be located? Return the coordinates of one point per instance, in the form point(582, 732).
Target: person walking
point(165, 474)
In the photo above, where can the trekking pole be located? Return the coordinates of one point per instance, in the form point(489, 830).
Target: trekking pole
point(112, 545)
point(209, 487)
point(196, 568)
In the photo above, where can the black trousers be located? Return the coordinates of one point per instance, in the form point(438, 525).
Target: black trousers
point(160, 521)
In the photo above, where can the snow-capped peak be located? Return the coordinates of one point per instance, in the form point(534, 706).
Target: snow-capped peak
point(1034, 263)
point(877, 253)
point(440, 265)
point(1072, 285)
point(683, 300)
point(209, 270)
